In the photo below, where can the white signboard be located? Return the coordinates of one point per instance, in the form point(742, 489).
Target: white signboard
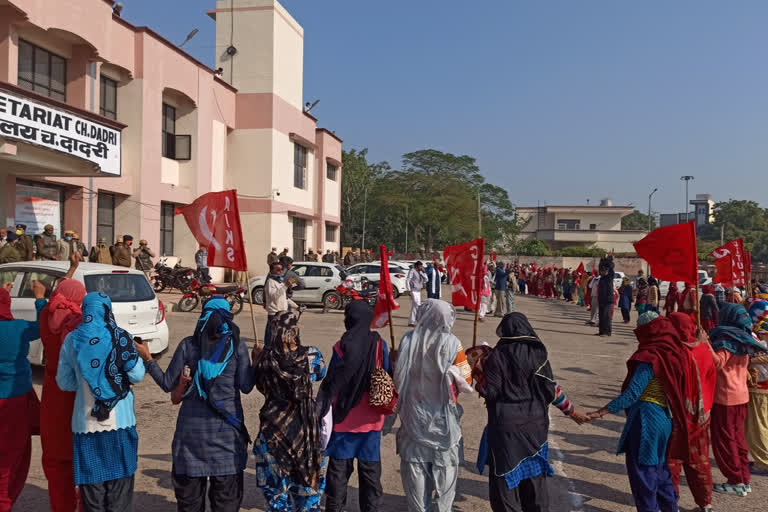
point(60, 130)
point(38, 206)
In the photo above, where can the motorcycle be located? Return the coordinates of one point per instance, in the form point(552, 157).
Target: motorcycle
point(361, 288)
point(198, 292)
point(177, 277)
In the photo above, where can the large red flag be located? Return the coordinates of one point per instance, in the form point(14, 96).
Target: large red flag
point(671, 252)
point(386, 302)
point(214, 219)
point(731, 263)
point(580, 269)
point(465, 267)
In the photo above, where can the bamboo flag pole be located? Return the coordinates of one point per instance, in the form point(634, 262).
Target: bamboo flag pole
point(250, 304)
point(392, 331)
point(477, 316)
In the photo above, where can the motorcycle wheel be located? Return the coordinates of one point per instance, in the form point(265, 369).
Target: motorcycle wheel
point(159, 285)
point(332, 300)
point(187, 304)
point(235, 303)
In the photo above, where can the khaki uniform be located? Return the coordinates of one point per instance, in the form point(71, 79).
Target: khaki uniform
point(26, 248)
point(47, 247)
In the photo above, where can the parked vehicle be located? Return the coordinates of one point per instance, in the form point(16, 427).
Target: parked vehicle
point(177, 277)
point(235, 295)
point(135, 305)
point(358, 288)
point(617, 278)
point(320, 282)
point(372, 271)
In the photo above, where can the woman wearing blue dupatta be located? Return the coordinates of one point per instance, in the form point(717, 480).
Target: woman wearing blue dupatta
point(98, 362)
point(210, 443)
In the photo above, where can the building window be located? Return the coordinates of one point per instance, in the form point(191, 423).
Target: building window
point(41, 71)
point(331, 172)
point(299, 238)
point(169, 131)
point(105, 218)
point(166, 228)
point(568, 224)
point(330, 232)
point(593, 226)
point(299, 166)
point(108, 105)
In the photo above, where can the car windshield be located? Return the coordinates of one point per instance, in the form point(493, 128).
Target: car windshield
point(120, 287)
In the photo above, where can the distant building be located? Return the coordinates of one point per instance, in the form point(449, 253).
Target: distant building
point(703, 213)
point(585, 226)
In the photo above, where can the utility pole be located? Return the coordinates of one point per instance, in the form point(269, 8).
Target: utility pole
point(687, 179)
point(365, 211)
point(479, 217)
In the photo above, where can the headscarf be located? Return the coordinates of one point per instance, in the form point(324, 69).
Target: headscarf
point(288, 419)
point(105, 354)
point(64, 308)
point(5, 305)
point(734, 332)
point(428, 414)
point(652, 281)
point(351, 375)
point(758, 312)
point(659, 344)
point(705, 367)
point(515, 326)
point(673, 295)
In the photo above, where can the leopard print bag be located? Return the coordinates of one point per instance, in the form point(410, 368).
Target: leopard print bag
point(381, 393)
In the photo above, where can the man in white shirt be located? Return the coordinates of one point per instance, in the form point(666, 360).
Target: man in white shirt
point(414, 283)
point(275, 298)
point(594, 309)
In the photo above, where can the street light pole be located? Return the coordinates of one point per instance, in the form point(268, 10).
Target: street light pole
point(686, 179)
point(365, 211)
point(648, 269)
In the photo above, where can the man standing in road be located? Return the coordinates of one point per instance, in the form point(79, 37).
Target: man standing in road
point(606, 297)
point(143, 256)
point(434, 278)
point(275, 298)
point(201, 260)
point(47, 245)
point(500, 290)
point(594, 307)
point(414, 283)
point(272, 256)
point(24, 244)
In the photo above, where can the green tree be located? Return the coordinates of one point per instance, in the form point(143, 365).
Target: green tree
point(358, 179)
point(637, 221)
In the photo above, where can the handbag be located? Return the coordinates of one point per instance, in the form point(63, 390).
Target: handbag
point(382, 395)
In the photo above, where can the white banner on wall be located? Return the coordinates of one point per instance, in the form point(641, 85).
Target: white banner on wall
point(38, 206)
point(60, 130)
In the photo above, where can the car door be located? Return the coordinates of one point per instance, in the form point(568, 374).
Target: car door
point(318, 279)
point(301, 294)
point(23, 303)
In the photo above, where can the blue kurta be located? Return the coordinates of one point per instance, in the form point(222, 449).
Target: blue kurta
point(655, 420)
point(15, 336)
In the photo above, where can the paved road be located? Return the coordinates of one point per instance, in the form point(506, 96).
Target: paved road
point(588, 476)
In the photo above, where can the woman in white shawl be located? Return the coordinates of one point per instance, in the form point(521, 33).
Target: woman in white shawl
point(431, 371)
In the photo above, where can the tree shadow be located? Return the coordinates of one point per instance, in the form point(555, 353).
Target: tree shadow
point(578, 370)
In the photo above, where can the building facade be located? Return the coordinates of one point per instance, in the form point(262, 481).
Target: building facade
point(579, 226)
point(106, 128)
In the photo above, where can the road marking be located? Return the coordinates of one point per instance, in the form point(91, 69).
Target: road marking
point(577, 500)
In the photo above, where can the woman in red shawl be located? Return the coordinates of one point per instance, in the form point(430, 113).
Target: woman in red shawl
point(661, 381)
point(688, 300)
point(670, 302)
point(698, 469)
point(57, 320)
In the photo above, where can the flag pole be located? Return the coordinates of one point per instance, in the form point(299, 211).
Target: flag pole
point(250, 304)
point(477, 315)
point(392, 331)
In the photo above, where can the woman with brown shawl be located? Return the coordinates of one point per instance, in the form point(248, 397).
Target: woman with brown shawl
point(288, 449)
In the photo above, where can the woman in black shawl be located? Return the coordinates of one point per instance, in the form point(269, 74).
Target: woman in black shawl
point(288, 450)
point(519, 387)
point(357, 425)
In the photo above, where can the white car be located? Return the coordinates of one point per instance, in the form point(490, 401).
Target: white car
point(320, 281)
point(372, 271)
point(134, 304)
point(617, 278)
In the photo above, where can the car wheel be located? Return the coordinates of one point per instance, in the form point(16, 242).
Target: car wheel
point(235, 303)
point(158, 285)
point(395, 292)
point(257, 295)
point(187, 304)
point(332, 300)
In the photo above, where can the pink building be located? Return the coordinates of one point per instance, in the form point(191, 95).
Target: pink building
point(105, 128)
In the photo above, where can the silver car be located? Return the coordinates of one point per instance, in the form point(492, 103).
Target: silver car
point(319, 282)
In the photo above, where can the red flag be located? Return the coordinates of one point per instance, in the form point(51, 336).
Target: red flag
point(580, 269)
point(386, 302)
point(493, 255)
point(671, 252)
point(214, 219)
point(731, 263)
point(465, 266)
point(533, 267)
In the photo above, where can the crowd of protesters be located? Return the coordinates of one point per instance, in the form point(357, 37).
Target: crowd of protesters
point(685, 389)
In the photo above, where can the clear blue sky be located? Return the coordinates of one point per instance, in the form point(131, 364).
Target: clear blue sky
point(558, 100)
